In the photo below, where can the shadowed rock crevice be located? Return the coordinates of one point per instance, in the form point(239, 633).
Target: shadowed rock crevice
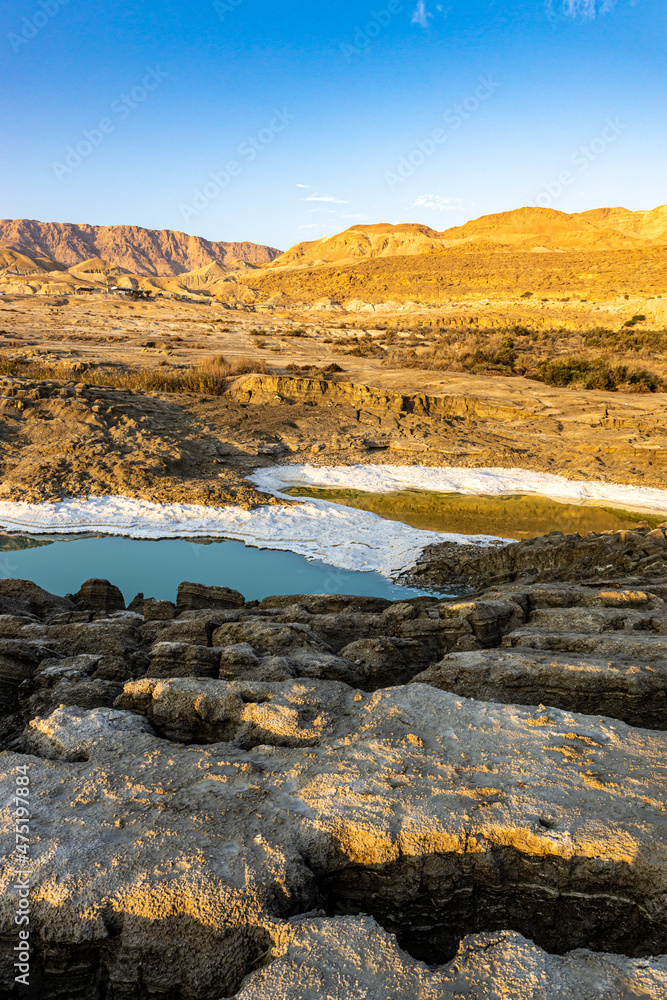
point(127, 968)
point(431, 902)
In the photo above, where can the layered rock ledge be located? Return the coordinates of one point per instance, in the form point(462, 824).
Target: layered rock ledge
point(321, 796)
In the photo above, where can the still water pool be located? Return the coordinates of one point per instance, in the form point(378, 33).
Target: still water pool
point(60, 564)
point(512, 516)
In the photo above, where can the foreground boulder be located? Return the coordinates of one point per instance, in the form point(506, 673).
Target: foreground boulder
point(242, 712)
point(196, 595)
point(626, 687)
point(321, 958)
point(437, 815)
point(99, 595)
point(22, 597)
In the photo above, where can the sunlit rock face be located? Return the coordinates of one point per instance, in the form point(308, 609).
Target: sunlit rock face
point(322, 796)
point(355, 957)
point(438, 815)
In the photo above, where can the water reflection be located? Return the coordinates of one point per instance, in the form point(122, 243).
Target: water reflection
point(513, 516)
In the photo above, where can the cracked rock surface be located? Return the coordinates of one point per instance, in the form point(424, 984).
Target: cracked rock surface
point(439, 815)
point(320, 797)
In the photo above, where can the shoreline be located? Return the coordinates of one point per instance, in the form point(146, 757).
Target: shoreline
point(318, 529)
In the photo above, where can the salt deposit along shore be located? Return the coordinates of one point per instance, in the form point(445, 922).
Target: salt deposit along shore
point(338, 536)
point(317, 529)
point(487, 482)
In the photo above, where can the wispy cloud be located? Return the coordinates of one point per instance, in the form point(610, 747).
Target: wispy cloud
point(439, 202)
point(326, 197)
point(420, 15)
point(582, 8)
point(304, 186)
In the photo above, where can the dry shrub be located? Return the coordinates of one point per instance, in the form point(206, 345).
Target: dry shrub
point(218, 365)
point(557, 356)
point(211, 378)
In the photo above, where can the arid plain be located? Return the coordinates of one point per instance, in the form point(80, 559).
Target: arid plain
point(543, 349)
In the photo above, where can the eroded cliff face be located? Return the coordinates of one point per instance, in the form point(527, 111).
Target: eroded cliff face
point(141, 251)
point(315, 794)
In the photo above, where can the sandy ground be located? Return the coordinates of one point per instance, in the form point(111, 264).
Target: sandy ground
point(61, 440)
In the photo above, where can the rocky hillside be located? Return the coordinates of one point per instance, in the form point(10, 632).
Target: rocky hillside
point(535, 229)
point(381, 240)
point(468, 271)
point(156, 252)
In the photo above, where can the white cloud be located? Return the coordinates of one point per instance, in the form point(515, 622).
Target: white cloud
point(582, 8)
point(325, 197)
point(439, 202)
point(305, 186)
point(420, 15)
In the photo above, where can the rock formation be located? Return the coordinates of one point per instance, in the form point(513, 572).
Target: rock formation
point(311, 797)
point(140, 251)
point(630, 557)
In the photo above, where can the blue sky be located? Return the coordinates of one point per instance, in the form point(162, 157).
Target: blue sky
point(248, 119)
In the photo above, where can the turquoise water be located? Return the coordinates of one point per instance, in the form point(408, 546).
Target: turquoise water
point(60, 564)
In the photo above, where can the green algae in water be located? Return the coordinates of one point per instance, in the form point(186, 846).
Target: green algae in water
point(513, 516)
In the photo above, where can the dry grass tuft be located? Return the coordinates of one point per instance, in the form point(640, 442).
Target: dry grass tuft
point(211, 378)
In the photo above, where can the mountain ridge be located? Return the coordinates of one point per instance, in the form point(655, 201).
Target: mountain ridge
point(536, 229)
point(153, 252)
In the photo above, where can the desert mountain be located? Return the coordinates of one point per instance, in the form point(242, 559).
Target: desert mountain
point(16, 260)
point(18, 263)
point(96, 268)
point(142, 251)
point(523, 229)
point(600, 229)
point(651, 226)
point(381, 240)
